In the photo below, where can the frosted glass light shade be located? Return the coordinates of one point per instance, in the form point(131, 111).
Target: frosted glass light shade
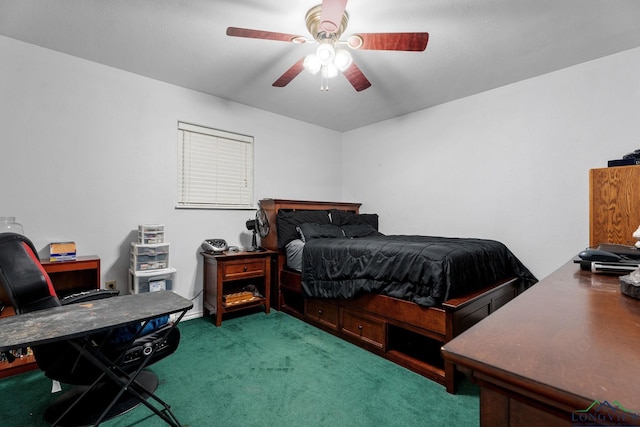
point(325, 53)
point(312, 64)
point(342, 59)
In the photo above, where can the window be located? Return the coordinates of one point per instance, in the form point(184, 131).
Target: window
point(215, 168)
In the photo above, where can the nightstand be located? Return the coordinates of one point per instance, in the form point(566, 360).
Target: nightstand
point(231, 277)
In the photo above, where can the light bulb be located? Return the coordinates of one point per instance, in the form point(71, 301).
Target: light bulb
point(325, 53)
point(312, 63)
point(342, 59)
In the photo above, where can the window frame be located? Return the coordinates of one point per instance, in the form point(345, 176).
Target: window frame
point(213, 157)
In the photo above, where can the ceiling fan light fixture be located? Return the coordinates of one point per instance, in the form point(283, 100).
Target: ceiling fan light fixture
point(312, 64)
point(342, 59)
point(325, 53)
point(326, 23)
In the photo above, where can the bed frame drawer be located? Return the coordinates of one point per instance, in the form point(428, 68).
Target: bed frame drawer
point(323, 312)
point(364, 328)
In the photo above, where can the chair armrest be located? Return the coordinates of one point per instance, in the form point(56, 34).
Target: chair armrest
point(91, 295)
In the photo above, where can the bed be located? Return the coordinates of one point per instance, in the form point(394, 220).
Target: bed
point(401, 297)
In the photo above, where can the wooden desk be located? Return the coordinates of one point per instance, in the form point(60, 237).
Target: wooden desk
point(570, 340)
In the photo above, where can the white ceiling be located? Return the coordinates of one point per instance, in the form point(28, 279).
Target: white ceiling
point(474, 46)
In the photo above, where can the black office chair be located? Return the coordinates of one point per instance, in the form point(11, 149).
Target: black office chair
point(29, 289)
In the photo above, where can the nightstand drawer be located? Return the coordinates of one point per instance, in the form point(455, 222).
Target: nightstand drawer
point(365, 328)
point(322, 312)
point(242, 269)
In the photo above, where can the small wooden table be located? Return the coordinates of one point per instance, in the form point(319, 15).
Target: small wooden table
point(544, 359)
point(230, 273)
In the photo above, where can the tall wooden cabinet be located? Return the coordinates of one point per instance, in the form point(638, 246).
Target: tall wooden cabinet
point(614, 205)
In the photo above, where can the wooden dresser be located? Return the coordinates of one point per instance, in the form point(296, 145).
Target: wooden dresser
point(545, 358)
point(614, 205)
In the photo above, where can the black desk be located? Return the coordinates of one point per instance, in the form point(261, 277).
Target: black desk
point(76, 321)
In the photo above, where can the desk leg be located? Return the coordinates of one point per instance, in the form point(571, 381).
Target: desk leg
point(133, 387)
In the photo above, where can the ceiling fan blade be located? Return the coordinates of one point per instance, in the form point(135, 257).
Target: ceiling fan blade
point(331, 16)
point(290, 74)
point(265, 35)
point(356, 78)
point(389, 41)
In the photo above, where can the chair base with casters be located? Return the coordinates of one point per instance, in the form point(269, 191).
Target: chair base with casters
point(95, 342)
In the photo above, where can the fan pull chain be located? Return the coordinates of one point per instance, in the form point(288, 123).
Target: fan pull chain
point(324, 78)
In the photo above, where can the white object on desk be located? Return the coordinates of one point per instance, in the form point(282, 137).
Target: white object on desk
point(636, 235)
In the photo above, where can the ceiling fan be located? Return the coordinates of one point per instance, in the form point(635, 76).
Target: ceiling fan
point(326, 23)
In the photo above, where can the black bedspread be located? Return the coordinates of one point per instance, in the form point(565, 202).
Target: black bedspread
point(423, 269)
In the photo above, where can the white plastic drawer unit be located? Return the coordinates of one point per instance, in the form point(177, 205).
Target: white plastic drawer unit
point(149, 249)
point(151, 281)
point(149, 262)
point(151, 233)
point(146, 257)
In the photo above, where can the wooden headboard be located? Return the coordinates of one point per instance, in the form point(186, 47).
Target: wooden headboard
point(282, 278)
point(272, 206)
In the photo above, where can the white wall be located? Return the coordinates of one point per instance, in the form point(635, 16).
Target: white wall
point(510, 164)
point(89, 152)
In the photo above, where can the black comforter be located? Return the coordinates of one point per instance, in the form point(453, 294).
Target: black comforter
point(425, 270)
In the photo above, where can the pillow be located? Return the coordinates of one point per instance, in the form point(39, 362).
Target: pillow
point(287, 221)
point(340, 218)
point(294, 254)
point(359, 230)
point(310, 231)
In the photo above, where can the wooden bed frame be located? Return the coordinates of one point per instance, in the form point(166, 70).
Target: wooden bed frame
point(398, 330)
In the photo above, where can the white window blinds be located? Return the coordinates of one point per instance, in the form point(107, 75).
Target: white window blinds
point(215, 168)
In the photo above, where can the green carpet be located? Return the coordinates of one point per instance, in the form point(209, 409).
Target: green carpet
point(270, 370)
